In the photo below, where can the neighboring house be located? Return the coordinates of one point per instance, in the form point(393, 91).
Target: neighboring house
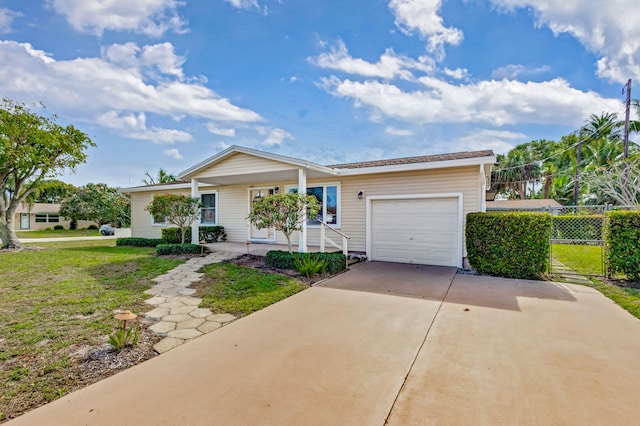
point(42, 216)
point(534, 204)
point(409, 210)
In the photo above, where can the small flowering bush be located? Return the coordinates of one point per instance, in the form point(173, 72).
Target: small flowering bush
point(284, 212)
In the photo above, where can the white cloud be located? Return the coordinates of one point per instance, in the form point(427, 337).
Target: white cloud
point(513, 71)
point(494, 102)
point(274, 136)
point(389, 65)
point(6, 19)
point(173, 153)
point(398, 132)
point(458, 73)
point(611, 31)
point(135, 126)
point(500, 141)
point(244, 4)
point(149, 17)
point(423, 16)
point(126, 81)
point(221, 131)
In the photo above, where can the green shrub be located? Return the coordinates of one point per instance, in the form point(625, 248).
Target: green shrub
point(622, 241)
point(581, 227)
point(139, 242)
point(512, 245)
point(92, 227)
point(58, 228)
point(122, 338)
point(162, 249)
point(309, 266)
point(73, 224)
point(209, 234)
point(336, 262)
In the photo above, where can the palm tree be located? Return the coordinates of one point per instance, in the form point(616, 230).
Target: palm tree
point(163, 177)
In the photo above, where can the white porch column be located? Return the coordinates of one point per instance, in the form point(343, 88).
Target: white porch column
point(302, 189)
point(195, 193)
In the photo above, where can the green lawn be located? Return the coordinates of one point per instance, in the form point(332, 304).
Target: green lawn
point(237, 290)
point(583, 259)
point(56, 300)
point(587, 260)
point(50, 233)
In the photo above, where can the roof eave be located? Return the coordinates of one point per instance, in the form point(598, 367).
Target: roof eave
point(419, 166)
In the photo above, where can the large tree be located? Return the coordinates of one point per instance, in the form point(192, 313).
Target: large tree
point(33, 147)
point(284, 212)
point(99, 203)
point(179, 210)
point(52, 191)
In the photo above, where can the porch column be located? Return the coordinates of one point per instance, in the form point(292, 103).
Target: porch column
point(195, 193)
point(302, 189)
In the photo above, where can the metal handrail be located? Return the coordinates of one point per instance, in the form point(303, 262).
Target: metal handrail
point(333, 229)
point(323, 236)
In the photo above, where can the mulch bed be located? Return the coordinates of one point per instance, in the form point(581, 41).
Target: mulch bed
point(258, 262)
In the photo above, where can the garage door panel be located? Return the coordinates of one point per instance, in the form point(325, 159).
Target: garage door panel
point(421, 231)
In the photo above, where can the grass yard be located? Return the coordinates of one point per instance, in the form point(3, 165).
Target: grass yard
point(58, 300)
point(50, 233)
point(581, 258)
point(228, 288)
point(587, 260)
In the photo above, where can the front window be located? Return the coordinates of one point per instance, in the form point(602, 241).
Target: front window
point(47, 217)
point(327, 196)
point(208, 210)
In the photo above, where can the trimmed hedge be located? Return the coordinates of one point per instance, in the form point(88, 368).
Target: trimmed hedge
point(139, 242)
point(581, 227)
point(511, 245)
point(58, 228)
point(336, 262)
point(622, 240)
point(180, 249)
point(209, 234)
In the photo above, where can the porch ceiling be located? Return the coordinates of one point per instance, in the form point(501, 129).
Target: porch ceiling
point(290, 175)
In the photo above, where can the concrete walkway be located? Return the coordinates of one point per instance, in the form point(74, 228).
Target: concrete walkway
point(444, 349)
point(180, 319)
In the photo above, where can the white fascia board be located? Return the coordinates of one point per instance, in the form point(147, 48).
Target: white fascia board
point(169, 186)
point(418, 166)
point(262, 154)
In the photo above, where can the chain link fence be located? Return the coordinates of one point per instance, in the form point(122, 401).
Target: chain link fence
point(577, 241)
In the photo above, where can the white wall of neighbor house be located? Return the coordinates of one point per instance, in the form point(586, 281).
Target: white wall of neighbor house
point(36, 225)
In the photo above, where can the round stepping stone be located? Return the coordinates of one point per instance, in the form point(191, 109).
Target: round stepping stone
point(167, 344)
point(209, 326)
point(221, 318)
point(194, 301)
point(157, 313)
point(184, 309)
point(176, 317)
point(187, 291)
point(187, 333)
point(192, 323)
point(162, 327)
point(200, 313)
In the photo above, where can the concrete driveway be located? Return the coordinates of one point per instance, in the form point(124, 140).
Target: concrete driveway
point(400, 344)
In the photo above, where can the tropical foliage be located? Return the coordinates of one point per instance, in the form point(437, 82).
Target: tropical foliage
point(163, 177)
point(589, 163)
point(179, 210)
point(98, 203)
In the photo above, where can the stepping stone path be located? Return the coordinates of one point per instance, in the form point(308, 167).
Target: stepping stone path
point(177, 312)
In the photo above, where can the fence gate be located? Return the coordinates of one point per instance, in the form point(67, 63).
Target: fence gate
point(577, 245)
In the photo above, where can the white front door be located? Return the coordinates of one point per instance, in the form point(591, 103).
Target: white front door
point(24, 221)
point(255, 234)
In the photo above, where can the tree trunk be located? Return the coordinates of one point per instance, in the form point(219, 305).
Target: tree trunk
point(289, 242)
point(182, 231)
point(7, 233)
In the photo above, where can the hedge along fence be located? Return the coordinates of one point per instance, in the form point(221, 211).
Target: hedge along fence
point(336, 262)
point(209, 234)
point(622, 241)
point(580, 227)
point(511, 245)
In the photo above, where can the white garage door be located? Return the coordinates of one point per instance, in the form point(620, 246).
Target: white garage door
point(423, 230)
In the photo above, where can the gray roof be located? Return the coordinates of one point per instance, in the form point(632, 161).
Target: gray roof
point(411, 160)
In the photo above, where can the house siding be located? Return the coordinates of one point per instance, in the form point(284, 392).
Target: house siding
point(238, 164)
point(233, 201)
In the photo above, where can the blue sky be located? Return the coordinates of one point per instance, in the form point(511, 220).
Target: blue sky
point(167, 83)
